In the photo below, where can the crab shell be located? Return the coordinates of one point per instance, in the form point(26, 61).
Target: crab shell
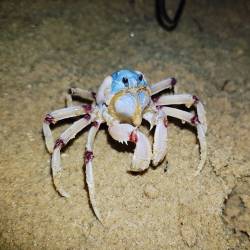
point(125, 103)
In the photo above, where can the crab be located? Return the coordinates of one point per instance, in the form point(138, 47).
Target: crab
point(122, 101)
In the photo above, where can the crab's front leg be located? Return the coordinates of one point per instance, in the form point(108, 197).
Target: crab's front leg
point(124, 132)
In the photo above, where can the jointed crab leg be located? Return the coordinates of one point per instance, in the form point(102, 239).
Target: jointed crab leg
point(164, 84)
point(192, 119)
point(67, 135)
point(58, 115)
point(126, 132)
point(160, 138)
point(180, 114)
point(188, 100)
point(89, 168)
point(84, 94)
point(159, 119)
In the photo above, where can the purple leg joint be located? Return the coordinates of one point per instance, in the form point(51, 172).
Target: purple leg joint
point(95, 124)
point(87, 117)
point(173, 82)
point(155, 98)
point(196, 99)
point(87, 108)
point(59, 143)
point(88, 156)
point(195, 120)
point(49, 119)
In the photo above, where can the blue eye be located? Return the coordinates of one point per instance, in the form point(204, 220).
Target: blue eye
point(140, 77)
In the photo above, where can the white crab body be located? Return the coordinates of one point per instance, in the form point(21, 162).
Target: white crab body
point(122, 101)
point(126, 94)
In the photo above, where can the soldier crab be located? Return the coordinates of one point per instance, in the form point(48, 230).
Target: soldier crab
point(122, 101)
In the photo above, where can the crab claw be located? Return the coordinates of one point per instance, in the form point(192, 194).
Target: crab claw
point(121, 132)
point(150, 118)
point(160, 140)
point(143, 153)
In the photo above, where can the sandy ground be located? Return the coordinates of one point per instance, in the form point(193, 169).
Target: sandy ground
point(46, 47)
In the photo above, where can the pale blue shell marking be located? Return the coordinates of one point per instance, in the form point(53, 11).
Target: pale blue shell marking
point(133, 80)
point(126, 105)
point(143, 99)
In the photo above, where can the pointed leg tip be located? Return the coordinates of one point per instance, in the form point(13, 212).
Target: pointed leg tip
point(197, 173)
point(135, 170)
point(155, 163)
point(139, 166)
point(157, 160)
point(60, 189)
point(99, 218)
point(199, 170)
point(97, 213)
point(63, 193)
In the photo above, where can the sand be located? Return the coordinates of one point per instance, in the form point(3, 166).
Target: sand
point(48, 46)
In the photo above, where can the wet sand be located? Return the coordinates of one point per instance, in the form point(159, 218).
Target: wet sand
point(46, 47)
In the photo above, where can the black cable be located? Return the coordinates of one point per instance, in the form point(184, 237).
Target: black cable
point(164, 20)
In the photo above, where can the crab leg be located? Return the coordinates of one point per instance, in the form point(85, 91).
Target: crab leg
point(164, 84)
point(65, 137)
point(160, 139)
point(58, 115)
point(142, 154)
point(160, 135)
point(192, 119)
point(89, 168)
point(84, 94)
point(188, 100)
point(150, 117)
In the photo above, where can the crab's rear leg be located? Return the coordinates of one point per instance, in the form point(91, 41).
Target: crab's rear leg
point(82, 93)
point(65, 137)
point(193, 120)
point(143, 153)
point(61, 114)
point(89, 168)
